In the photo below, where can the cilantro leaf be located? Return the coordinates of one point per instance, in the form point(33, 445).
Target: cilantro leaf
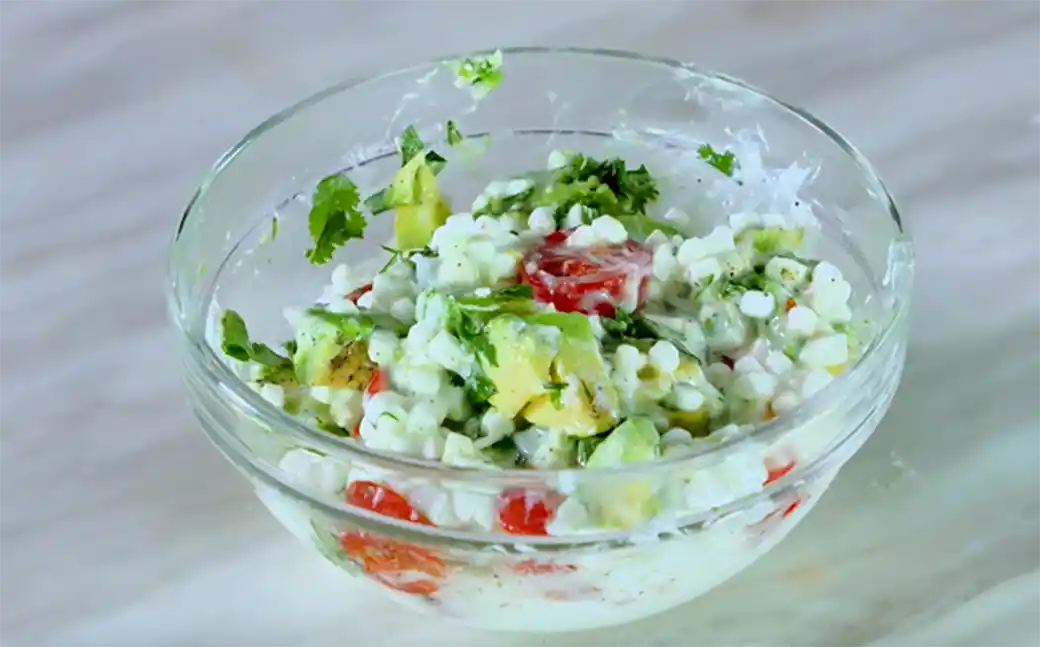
point(724, 162)
point(235, 340)
point(607, 187)
point(556, 390)
point(334, 217)
point(435, 162)
point(378, 202)
point(640, 227)
point(479, 389)
point(504, 453)
point(403, 255)
point(235, 343)
point(480, 74)
point(290, 348)
point(586, 446)
point(631, 189)
point(355, 327)
point(516, 299)
point(640, 329)
point(409, 144)
point(467, 320)
point(452, 133)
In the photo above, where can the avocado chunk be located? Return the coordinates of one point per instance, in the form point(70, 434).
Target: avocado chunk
point(589, 404)
point(326, 356)
point(695, 422)
point(573, 414)
point(624, 504)
point(420, 206)
point(636, 440)
point(519, 365)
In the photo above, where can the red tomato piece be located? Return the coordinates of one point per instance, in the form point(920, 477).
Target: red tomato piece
point(525, 513)
point(728, 361)
point(400, 566)
point(379, 382)
point(789, 510)
point(593, 280)
point(404, 567)
point(383, 500)
point(775, 473)
point(791, 303)
point(358, 293)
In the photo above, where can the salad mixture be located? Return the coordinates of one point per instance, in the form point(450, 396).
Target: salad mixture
point(568, 317)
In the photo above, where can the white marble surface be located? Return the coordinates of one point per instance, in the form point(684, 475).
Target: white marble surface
point(120, 524)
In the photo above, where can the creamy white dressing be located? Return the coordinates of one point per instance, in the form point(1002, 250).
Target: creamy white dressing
point(746, 344)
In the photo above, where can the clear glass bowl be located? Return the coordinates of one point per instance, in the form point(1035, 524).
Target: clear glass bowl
point(593, 101)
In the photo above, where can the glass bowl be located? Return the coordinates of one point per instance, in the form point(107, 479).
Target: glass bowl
point(752, 487)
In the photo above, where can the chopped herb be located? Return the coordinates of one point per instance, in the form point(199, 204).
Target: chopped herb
point(235, 343)
point(631, 326)
point(467, 319)
point(334, 217)
point(791, 350)
point(617, 325)
point(480, 74)
point(724, 162)
point(470, 428)
point(586, 446)
point(556, 390)
point(378, 202)
point(633, 189)
point(409, 144)
point(404, 255)
point(606, 187)
point(290, 348)
point(274, 227)
point(479, 389)
point(516, 299)
point(435, 162)
point(770, 240)
point(330, 427)
point(640, 227)
point(501, 205)
point(355, 327)
point(505, 453)
point(452, 133)
point(733, 289)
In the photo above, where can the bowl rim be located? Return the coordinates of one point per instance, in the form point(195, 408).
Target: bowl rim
point(218, 374)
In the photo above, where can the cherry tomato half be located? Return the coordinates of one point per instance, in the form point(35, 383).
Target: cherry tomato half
point(383, 500)
point(404, 567)
point(379, 382)
point(525, 513)
point(776, 472)
point(592, 280)
point(400, 566)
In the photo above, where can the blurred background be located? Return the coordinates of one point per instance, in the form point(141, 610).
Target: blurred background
point(120, 525)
